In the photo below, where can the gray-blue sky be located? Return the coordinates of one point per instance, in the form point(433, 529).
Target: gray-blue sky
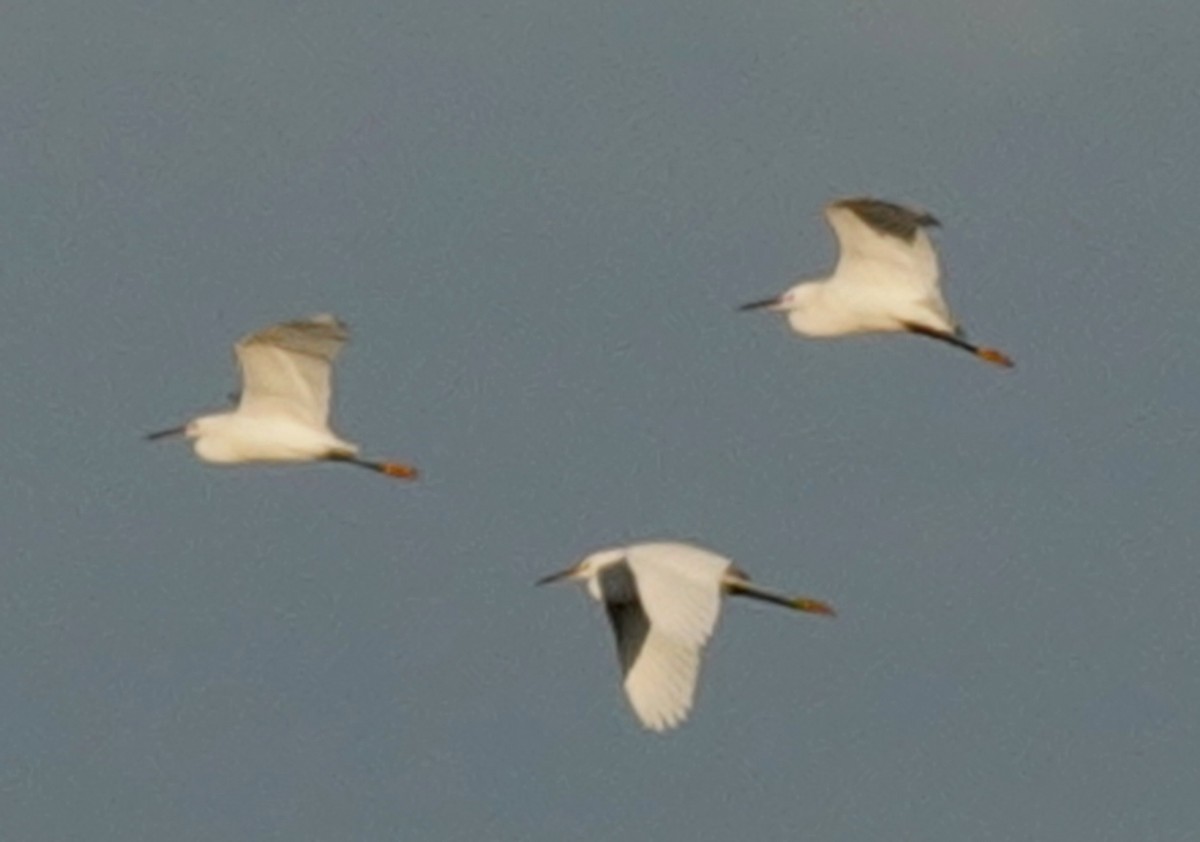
point(538, 219)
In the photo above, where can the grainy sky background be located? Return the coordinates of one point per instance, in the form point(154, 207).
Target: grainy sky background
point(538, 218)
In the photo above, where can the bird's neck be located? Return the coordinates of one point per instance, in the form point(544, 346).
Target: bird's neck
point(818, 310)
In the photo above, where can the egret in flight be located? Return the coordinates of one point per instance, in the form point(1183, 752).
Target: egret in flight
point(282, 413)
point(662, 600)
point(885, 281)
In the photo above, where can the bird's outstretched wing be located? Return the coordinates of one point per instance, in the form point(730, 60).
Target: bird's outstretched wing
point(661, 620)
point(881, 243)
point(287, 368)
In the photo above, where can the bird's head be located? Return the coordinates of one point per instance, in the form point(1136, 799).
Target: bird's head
point(587, 568)
point(795, 299)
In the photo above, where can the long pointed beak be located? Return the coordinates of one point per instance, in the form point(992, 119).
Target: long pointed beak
point(166, 434)
point(557, 577)
point(760, 305)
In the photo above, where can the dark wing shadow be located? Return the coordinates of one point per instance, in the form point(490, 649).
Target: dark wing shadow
point(629, 621)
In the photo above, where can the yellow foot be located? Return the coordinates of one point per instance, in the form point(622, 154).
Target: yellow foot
point(996, 357)
point(398, 470)
point(813, 606)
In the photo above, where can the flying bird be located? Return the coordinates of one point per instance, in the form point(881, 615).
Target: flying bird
point(282, 412)
point(885, 281)
point(662, 600)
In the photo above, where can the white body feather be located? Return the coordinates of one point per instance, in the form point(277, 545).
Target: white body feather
point(283, 411)
point(663, 599)
point(884, 281)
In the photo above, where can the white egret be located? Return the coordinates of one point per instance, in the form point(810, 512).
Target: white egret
point(886, 280)
point(282, 412)
point(662, 599)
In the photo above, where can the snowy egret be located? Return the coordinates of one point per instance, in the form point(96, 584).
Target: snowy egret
point(662, 599)
point(886, 280)
point(282, 412)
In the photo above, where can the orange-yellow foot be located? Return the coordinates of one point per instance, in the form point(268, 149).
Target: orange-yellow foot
point(813, 606)
point(398, 470)
point(995, 357)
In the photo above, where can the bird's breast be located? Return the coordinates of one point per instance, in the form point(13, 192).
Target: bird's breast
point(845, 311)
point(272, 439)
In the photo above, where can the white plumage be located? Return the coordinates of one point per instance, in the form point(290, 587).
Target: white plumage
point(283, 407)
point(663, 600)
point(287, 369)
point(886, 280)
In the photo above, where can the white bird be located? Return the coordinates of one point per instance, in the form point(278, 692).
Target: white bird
point(662, 599)
point(282, 413)
point(886, 280)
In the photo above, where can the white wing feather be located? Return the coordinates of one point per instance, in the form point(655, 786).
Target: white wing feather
point(679, 592)
point(661, 684)
point(679, 588)
point(287, 368)
point(871, 257)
